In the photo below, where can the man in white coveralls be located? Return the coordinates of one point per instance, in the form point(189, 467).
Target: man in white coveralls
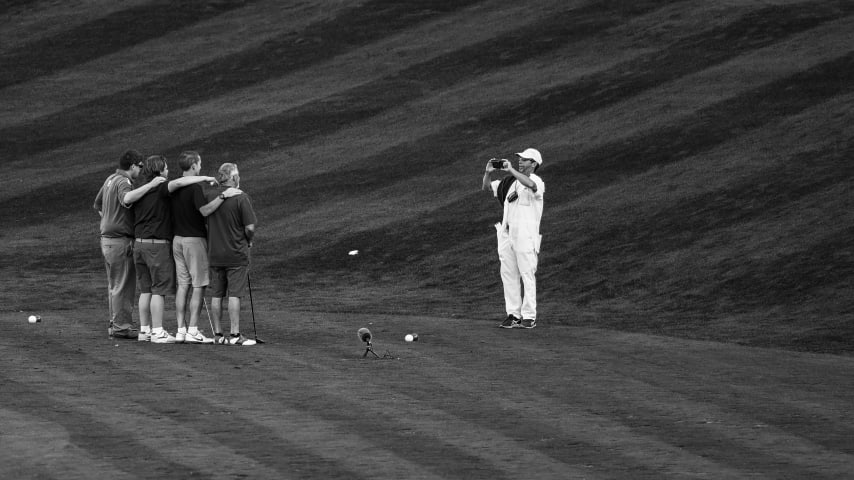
point(521, 194)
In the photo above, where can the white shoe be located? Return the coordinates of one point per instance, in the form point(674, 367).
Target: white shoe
point(162, 337)
point(197, 337)
point(241, 340)
point(180, 337)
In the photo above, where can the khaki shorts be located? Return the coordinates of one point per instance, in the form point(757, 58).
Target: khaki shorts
point(191, 261)
point(232, 281)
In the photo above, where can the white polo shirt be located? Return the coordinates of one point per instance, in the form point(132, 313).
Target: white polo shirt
point(522, 216)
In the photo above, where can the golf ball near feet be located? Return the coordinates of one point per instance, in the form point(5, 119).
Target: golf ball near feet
point(34, 319)
point(411, 337)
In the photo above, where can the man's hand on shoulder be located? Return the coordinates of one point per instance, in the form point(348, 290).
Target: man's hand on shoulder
point(232, 192)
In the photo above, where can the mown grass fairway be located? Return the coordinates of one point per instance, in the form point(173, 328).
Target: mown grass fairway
point(694, 284)
point(465, 401)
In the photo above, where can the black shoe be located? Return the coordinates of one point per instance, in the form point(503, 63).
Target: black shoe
point(126, 330)
point(528, 323)
point(509, 322)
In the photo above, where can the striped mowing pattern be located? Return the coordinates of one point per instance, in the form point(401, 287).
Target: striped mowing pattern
point(697, 168)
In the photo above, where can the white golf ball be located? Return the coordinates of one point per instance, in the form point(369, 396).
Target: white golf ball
point(409, 337)
point(33, 319)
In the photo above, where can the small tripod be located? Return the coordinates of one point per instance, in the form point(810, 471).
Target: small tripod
point(370, 349)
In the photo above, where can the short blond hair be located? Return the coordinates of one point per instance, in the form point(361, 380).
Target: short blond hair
point(226, 172)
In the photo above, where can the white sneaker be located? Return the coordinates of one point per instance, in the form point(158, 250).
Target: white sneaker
point(162, 337)
point(180, 337)
point(241, 340)
point(144, 337)
point(197, 337)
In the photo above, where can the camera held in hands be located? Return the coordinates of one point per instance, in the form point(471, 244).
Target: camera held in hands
point(497, 163)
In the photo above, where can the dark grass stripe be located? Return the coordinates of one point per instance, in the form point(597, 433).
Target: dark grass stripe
point(617, 84)
point(473, 136)
point(420, 81)
point(237, 433)
point(104, 36)
point(761, 195)
point(562, 446)
point(786, 282)
point(259, 442)
point(709, 127)
point(353, 28)
point(391, 433)
point(717, 446)
point(8, 5)
point(794, 278)
point(687, 56)
point(388, 432)
point(451, 225)
point(316, 119)
point(696, 53)
point(180, 90)
point(704, 130)
point(739, 283)
point(90, 433)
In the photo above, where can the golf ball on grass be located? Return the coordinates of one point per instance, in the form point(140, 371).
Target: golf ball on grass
point(34, 319)
point(411, 337)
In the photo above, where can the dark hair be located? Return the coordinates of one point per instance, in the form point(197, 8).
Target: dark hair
point(129, 159)
point(188, 159)
point(152, 166)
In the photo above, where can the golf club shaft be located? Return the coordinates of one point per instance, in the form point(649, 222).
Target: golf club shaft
point(252, 307)
point(205, 302)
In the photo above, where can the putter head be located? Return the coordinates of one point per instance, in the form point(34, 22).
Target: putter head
point(365, 335)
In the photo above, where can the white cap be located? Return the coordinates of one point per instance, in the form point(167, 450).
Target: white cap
point(533, 154)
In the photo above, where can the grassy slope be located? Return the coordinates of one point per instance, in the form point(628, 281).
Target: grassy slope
point(696, 157)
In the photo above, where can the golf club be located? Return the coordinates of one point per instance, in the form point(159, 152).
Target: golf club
point(110, 319)
point(252, 309)
point(205, 302)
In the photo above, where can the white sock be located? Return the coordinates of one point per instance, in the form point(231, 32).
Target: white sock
point(145, 329)
point(193, 330)
point(182, 330)
point(157, 330)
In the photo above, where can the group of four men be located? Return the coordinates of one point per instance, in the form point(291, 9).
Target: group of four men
point(162, 233)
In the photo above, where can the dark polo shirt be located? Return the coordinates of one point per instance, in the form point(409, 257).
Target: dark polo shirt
point(227, 243)
point(187, 221)
point(153, 214)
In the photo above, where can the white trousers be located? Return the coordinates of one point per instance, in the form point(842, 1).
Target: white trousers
point(518, 270)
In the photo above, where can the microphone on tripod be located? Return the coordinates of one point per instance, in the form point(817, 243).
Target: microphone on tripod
point(365, 336)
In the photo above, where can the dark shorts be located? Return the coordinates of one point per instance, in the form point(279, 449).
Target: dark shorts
point(229, 281)
point(155, 270)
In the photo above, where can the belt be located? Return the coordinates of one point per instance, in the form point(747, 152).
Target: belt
point(151, 240)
